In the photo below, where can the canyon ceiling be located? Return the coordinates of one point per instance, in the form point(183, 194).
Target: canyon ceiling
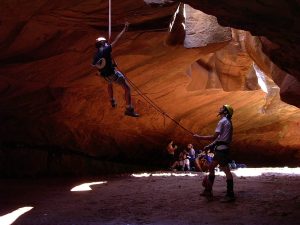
point(189, 63)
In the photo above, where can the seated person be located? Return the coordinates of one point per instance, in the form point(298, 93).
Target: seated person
point(232, 165)
point(182, 163)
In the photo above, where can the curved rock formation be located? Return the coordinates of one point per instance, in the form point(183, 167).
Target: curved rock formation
point(55, 114)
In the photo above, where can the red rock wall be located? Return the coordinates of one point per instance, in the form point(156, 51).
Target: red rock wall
point(51, 96)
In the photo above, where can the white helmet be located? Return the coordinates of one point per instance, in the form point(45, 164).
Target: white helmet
point(100, 39)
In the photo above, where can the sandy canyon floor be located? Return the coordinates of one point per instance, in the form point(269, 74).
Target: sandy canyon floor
point(169, 198)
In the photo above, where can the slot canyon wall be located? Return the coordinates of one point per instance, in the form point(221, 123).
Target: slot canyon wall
point(55, 114)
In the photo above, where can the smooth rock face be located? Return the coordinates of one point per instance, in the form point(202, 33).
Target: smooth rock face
point(202, 29)
point(289, 85)
point(276, 20)
point(289, 90)
point(53, 101)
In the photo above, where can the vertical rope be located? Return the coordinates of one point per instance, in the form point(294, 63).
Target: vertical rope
point(109, 19)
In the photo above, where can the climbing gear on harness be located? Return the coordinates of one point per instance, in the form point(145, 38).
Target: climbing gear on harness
point(221, 147)
point(100, 64)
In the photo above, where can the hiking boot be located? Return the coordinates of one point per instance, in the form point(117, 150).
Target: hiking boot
point(227, 198)
point(206, 193)
point(113, 103)
point(131, 112)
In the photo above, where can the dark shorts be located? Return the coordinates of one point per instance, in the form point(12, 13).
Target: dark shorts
point(222, 157)
point(116, 77)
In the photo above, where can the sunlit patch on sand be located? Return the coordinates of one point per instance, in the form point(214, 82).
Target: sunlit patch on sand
point(164, 174)
point(253, 172)
point(141, 175)
point(86, 186)
point(11, 217)
point(241, 172)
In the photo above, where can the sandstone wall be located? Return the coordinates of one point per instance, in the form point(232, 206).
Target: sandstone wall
point(51, 96)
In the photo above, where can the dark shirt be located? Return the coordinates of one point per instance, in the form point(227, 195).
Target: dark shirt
point(105, 52)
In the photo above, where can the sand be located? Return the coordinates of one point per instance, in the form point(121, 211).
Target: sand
point(270, 198)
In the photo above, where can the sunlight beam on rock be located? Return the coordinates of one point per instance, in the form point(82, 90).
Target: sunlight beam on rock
point(173, 20)
point(261, 78)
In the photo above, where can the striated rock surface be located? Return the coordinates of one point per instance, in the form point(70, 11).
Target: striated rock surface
point(202, 29)
point(289, 85)
point(276, 20)
point(55, 108)
point(210, 32)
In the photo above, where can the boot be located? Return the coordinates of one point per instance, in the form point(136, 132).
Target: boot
point(207, 183)
point(207, 193)
point(229, 197)
point(131, 112)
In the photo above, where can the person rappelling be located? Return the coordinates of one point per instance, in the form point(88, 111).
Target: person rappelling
point(107, 68)
point(220, 146)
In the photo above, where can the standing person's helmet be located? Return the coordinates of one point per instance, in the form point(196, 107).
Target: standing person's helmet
point(228, 109)
point(100, 41)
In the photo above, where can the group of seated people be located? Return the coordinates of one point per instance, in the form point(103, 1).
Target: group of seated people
point(189, 159)
point(186, 159)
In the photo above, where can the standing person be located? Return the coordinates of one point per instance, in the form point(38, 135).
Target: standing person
point(192, 156)
point(220, 145)
point(107, 67)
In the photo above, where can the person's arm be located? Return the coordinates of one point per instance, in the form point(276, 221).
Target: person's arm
point(207, 137)
point(170, 146)
point(211, 137)
point(120, 34)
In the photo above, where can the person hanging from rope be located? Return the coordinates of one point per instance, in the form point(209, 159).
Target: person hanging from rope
point(107, 68)
point(220, 145)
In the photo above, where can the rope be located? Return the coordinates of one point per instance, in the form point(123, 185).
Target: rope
point(147, 99)
point(155, 106)
point(109, 19)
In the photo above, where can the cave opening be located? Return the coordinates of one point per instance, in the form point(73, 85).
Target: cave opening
point(76, 160)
